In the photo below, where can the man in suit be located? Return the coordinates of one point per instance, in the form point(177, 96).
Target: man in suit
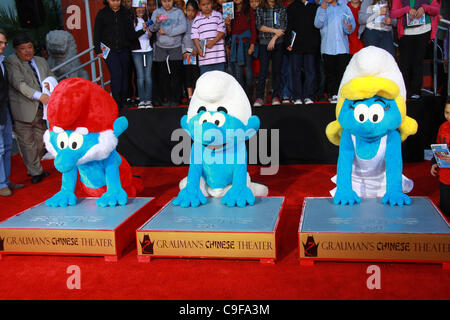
point(5, 126)
point(25, 74)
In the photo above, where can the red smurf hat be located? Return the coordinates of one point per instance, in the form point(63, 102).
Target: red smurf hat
point(78, 102)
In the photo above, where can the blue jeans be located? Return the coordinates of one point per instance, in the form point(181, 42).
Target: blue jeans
point(276, 55)
point(212, 67)
point(143, 74)
point(5, 151)
point(380, 39)
point(237, 71)
point(307, 63)
point(287, 77)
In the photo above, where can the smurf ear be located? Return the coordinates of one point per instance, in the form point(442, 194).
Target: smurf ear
point(252, 126)
point(120, 125)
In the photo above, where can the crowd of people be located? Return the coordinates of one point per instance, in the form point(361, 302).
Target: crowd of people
point(279, 51)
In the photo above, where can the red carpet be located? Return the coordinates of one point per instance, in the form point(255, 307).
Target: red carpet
point(44, 277)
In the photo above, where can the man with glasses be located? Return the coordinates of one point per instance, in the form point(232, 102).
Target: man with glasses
point(6, 186)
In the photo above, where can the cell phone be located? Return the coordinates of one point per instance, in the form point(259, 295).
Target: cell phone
point(163, 17)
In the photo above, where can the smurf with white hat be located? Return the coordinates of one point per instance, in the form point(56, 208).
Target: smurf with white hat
point(370, 127)
point(219, 121)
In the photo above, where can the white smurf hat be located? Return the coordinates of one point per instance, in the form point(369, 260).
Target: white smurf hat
point(216, 89)
point(139, 4)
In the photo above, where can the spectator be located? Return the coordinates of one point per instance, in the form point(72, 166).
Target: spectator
point(191, 71)
point(336, 22)
point(114, 28)
point(25, 74)
point(306, 46)
point(127, 4)
point(6, 186)
point(209, 27)
point(142, 55)
point(170, 25)
point(354, 43)
point(243, 39)
point(413, 38)
point(443, 137)
point(179, 4)
point(271, 22)
point(375, 25)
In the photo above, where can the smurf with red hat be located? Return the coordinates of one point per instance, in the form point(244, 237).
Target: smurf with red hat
point(82, 135)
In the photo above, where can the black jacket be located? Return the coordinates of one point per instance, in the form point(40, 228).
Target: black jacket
point(301, 21)
point(4, 96)
point(114, 29)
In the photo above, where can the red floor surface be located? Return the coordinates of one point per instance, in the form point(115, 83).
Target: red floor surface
point(44, 277)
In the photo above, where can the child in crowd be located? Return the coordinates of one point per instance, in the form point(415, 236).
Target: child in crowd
point(355, 44)
point(414, 37)
point(127, 4)
point(170, 24)
point(375, 25)
point(304, 49)
point(255, 61)
point(208, 30)
point(142, 55)
point(243, 38)
point(335, 21)
point(271, 22)
point(444, 173)
point(179, 4)
point(191, 71)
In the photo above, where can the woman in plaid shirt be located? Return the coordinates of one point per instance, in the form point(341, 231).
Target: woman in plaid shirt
point(271, 21)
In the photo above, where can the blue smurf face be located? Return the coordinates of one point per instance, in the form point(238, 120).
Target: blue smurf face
point(370, 118)
point(217, 128)
point(70, 146)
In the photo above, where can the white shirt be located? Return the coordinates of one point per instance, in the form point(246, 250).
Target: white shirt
point(2, 57)
point(144, 40)
point(37, 94)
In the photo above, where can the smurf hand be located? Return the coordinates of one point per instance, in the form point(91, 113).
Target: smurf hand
point(190, 197)
point(62, 199)
point(112, 198)
point(346, 197)
point(238, 196)
point(396, 198)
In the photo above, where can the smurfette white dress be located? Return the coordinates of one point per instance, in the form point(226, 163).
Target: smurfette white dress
point(369, 176)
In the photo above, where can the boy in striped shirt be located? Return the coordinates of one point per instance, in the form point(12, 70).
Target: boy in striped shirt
point(209, 26)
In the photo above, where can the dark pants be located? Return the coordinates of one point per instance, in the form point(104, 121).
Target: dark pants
point(191, 74)
point(412, 53)
point(118, 63)
point(445, 198)
point(276, 55)
point(307, 63)
point(334, 66)
point(380, 39)
point(171, 83)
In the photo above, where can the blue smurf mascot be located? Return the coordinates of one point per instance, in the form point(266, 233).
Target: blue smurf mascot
point(219, 121)
point(370, 127)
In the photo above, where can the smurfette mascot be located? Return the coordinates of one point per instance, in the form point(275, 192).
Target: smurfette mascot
point(370, 127)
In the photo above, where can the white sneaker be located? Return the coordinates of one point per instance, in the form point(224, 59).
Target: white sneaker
point(142, 105)
point(334, 99)
point(308, 101)
point(298, 101)
point(258, 102)
point(148, 104)
point(286, 100)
